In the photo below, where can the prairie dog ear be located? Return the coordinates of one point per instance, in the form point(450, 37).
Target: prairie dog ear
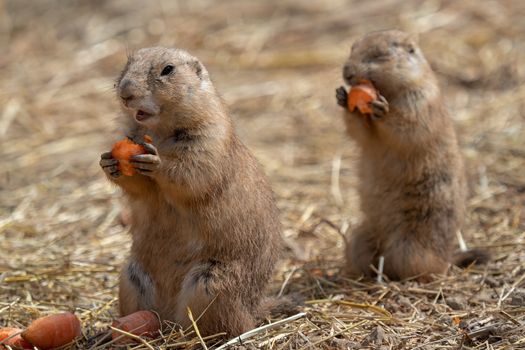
point(414, 37)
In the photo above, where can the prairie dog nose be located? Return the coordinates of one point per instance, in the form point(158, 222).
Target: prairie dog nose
point(127, 90)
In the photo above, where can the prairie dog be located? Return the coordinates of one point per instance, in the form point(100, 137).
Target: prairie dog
point(412, 183)
point(205, 227)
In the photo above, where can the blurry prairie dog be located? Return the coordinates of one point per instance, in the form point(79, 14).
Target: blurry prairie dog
point(205, 228)
point(412, 183)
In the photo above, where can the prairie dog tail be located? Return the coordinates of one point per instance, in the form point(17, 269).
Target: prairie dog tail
point(469, 257)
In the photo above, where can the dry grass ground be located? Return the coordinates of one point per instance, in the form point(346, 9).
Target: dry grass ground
point(277, 64)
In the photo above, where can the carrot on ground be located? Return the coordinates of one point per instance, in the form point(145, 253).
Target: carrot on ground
point(11, 336)
point(53, 331)
point(143, 323)
point(360, 96)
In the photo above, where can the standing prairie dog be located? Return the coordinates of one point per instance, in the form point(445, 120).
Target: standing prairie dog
point(412, 183)
point(205, 228)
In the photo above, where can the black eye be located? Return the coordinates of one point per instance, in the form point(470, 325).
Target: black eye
point(167, 70)
point(411, 50)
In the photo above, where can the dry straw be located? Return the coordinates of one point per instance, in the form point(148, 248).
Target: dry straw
point(277, 64)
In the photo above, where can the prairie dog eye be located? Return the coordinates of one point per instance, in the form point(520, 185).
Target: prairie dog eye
point(167, 70)
point(411, 50)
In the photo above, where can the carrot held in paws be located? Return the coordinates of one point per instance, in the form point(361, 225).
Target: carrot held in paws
point(142, 323)
point(53, 331)
point(360, 96)
point(123, 150)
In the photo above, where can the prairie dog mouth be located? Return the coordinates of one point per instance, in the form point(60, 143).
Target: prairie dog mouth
point(142, 115)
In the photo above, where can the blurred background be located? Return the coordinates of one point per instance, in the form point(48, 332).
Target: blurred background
point(277, 65)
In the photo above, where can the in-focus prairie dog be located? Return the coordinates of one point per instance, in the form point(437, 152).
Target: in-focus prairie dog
point(205, 228)
point(412, 185)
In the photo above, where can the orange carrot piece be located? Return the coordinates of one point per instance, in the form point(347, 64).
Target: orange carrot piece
point(53, 331)
point(15, 342)
point(123, 150)
point(148, 139)
point(143, 323)
point(8, 331)
point(360, 96)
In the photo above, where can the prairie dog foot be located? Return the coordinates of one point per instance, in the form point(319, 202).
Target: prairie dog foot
point(206, 294)
point(137, 291)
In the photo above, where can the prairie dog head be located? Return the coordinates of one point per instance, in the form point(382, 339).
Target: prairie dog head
point(163, 86)
point(392, 61)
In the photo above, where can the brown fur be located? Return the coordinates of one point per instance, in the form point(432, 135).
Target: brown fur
point(205, 227)
point(412, 185)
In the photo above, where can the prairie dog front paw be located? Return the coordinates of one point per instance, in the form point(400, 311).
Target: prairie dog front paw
point(342, 97)
point(380, 107)
point(146, 164)
point(109, 165)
